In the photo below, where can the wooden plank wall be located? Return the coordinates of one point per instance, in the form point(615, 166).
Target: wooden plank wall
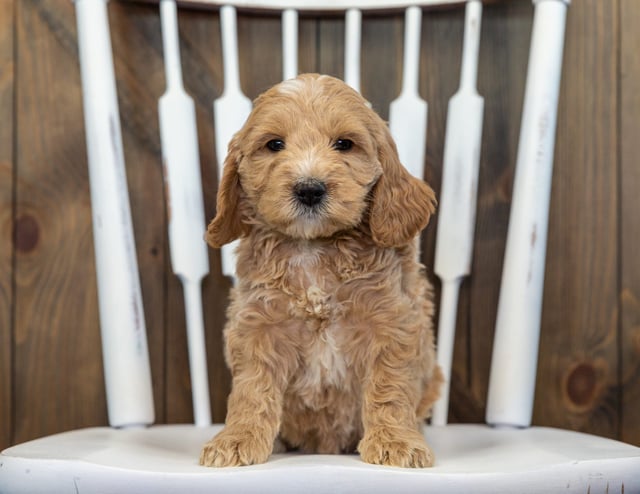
point(579, 369)
point(630, 220)
point(50, 369)
point(7, 79)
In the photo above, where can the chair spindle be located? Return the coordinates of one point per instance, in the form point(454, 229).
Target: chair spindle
point(458, 197)
point(515, 350)
point(229, 111)
point(185, 205)
point(124, 341)
point(408, 112)
point(289, 44)
point(353, 39)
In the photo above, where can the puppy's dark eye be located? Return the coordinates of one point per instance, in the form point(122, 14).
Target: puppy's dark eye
point(343, 144)
point(275, 145)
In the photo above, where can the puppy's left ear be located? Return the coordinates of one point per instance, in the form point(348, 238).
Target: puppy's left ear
point(402, 204)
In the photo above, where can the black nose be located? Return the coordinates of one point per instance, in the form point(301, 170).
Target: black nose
point(310, 193)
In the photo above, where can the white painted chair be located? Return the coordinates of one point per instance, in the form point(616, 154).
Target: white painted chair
point(506, 456)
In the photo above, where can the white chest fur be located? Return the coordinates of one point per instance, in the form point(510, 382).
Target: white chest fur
point(323, 362)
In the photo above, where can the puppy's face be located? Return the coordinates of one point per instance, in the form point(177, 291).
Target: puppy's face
point(312, 160)
point(308, 160)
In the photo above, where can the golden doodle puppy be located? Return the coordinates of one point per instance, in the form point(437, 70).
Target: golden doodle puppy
point(329, 335)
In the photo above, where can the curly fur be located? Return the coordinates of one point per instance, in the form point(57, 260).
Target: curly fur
point(329, 336)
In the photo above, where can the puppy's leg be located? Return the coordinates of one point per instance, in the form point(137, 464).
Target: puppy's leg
point(253, 419)
point(391, 432)
point(262, 358)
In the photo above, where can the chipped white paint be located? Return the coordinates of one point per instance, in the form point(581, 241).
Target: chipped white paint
point(515, 350)
point(185, 205)
point(122, 325)
point(469, 459)
point(458, 197)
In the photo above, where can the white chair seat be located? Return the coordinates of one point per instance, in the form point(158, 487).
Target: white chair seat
point(470, 458)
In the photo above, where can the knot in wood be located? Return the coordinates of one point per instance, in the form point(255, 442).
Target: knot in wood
point(581, 385)
point(26, 233)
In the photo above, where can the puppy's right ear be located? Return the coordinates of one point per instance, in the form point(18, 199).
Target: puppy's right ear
point(228, 225)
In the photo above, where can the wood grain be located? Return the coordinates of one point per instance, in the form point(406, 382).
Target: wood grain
point(6, 219)
point(577, 386)
point(58, 372)
point(629, 225)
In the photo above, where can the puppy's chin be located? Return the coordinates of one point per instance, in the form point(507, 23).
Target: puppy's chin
point(313, 225)
point(307, 231)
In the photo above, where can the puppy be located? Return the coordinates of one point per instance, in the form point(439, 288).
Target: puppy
point(329, 335)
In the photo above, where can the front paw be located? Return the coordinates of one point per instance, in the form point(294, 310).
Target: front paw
point(234, 446)
point(395, 447)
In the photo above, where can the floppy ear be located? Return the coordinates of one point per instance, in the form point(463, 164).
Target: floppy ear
point(228, 225)
point(402, 204)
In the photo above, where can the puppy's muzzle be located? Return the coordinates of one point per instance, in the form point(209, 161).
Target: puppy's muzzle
point(310, 192)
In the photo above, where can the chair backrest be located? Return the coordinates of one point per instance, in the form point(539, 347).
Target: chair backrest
point(125, 353)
